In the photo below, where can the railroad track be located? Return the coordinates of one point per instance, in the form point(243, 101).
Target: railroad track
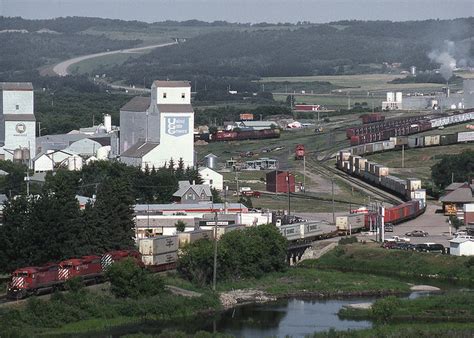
point(324, 169)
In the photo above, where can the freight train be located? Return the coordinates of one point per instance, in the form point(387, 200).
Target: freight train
point(379, 175)
point(244, 135)
point(36, 280)
point(384, 130)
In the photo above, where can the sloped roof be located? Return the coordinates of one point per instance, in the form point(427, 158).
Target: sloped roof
point(460, 240)
point(197, 188)
point(16, 86)
point(175, 108)
point(103, 141)
point(19, 117)
point(453, 186)
point(159, 83)
point(137, 104)
point(463, 194)
point(139, 149)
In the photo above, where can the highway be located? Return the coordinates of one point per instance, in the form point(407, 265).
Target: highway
point(61, 69)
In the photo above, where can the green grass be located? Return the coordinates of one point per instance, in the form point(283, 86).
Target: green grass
point(371, 258)
point(301, 280)
point(425, 330)
point(100, 64)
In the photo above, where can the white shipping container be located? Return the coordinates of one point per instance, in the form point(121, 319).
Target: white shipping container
point(165, 258)
point(466, 136)
point(158, 245)
point(352, 222)
point(468, 207)
point(432, 140)
point(192, 236)
point(413, 184)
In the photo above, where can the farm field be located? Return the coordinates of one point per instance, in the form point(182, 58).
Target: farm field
point(356, 83)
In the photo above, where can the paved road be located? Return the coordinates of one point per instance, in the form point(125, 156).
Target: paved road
point(61, 68)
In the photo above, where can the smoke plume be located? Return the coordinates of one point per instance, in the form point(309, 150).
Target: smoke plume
point(445, 58)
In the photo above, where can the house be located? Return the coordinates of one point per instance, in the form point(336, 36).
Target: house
point(192, 193)
point(456, 196)
point(280, 181)
point(461, 247)
point(211, 178)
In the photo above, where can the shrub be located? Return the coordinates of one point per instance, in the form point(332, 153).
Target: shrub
point(127, 280)
point(383, 309)
point(348, 240)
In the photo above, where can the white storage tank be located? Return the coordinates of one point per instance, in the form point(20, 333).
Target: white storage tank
point(108, 123)
point(74, 163)
point(103, 153)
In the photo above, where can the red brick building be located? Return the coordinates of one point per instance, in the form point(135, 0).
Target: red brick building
point(277, 181)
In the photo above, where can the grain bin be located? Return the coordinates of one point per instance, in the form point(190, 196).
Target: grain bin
point(74, 163)
point(210, 161)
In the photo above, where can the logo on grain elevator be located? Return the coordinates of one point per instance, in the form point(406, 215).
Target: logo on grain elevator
point(177, 125)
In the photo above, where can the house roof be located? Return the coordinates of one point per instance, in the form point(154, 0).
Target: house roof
point(137, 104)
point(16, 86)
point(49, 152)
point(453, 186)
point(460, 240)
point(19, 117)
point(463, 194)
point(175, 108)
point(198, 189)
point(211, 155)
point(103, 141)
point(257, 123)
point(159, 83)
point(139, 149)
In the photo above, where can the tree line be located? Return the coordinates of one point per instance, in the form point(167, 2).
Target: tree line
point(459, 168)
point(51, 226)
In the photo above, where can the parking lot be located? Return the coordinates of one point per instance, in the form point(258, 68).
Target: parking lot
point(432, 222)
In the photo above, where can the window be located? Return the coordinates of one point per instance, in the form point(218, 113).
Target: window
point(164, 95)
point(17, 107)
point(210, 181)
point(183, 95)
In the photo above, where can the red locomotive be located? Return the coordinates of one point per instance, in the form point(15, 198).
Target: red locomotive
point(36, 280)
point(299, 152)
point(245, 135)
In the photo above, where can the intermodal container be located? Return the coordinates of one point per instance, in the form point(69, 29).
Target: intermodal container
point(158, 245)
point(160, 259)
point(190, 237)
point(467, 136)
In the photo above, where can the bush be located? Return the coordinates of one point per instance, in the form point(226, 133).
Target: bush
point(251, 252)
point(383, 309)
point(348, 240)
point(127, 280)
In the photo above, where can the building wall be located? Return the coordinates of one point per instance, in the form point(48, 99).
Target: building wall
point(15, 139)
point(278, 183)
point(174, 95)
point(133, 127)
point(177, 141)
point(45, 162)
point(462, 249)
point(209, 175)
point(133, 161)
point(468, 88)
point(21, 98)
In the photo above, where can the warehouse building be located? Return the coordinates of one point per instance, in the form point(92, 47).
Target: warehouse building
point(153, 133)
point(461, 247)
point(17, 122)
point(280, 181)
point(455, 197)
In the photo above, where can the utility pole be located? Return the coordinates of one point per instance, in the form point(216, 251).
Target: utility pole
point(237, 181)
point(289, 198)
point(452, 177)
point(304, 174)
point(403, 156)
point(332, 188)
point(214, 275)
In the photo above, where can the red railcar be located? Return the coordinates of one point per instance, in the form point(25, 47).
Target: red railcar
point(403, 212)
point(87, 268)
point(299, 152)
point(372, 118)
point(246, 135)
point(33, 280)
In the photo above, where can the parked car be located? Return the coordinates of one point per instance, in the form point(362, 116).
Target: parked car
point(401, 239)
point(422, 247)
point(388, 227)
point(389, 244)
point(417, 233)
point(436, 248)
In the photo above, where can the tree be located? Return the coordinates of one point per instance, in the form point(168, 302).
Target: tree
point(128, 280)
point(216, 197)
point(180, 226)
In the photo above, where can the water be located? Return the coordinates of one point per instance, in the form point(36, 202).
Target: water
point(293, 317)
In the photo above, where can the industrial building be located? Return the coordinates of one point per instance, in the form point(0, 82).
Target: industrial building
point(393, 102)
point(17, 122)
point(455, 197)
point(280, 181)
point(153, 133)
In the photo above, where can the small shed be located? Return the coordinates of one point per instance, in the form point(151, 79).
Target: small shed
point(280, 181)
point(461, 247)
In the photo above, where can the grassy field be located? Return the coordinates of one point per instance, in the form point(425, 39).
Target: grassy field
point(371, 258)
point(360, 83)
point(418, 161)
point(300, 281)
